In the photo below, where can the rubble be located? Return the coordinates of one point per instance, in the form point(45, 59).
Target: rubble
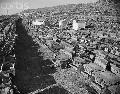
point(101, 62)
point(96, 87)
point(85, 55)
point(115, 89)
point(115, 70)
point(91, 67)
point(105, 78)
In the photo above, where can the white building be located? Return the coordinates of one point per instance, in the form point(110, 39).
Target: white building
point(38, 22)
point(75, 25)
point(62, 23)
point(78, 24)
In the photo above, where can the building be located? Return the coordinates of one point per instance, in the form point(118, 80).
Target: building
point(115, 89)
point(78, 61)
point(94, 13)
point(78, 24)
point(62, 23)
point(66, 53)
point(100, 53)
point(91, 67)
point(75, 25)
point(109, 78)
point(101, 62)
point(112, 35)
point(96, 87)
point(104, 78)
point(63, 55)
point(115, 69)
point(100, 34)
point(38, 22)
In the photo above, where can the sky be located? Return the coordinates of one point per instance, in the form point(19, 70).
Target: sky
point(15, 6)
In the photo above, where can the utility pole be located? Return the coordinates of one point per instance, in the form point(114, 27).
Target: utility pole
point(23, 5)
point(7, 11)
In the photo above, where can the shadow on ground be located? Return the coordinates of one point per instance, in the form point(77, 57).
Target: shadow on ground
point(31, 70)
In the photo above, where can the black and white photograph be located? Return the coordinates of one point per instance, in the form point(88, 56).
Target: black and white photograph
point(59, 46)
